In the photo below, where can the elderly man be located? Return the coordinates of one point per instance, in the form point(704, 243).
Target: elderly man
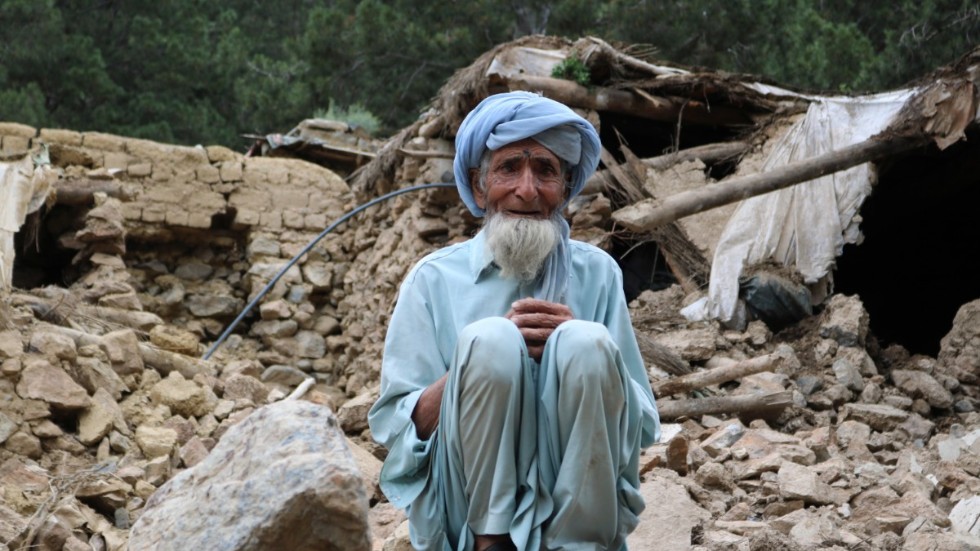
point(514, 401)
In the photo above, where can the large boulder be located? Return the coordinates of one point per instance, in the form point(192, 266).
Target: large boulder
point(281, 479)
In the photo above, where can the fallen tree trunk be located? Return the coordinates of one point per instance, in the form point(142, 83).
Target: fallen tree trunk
point(725, 373)
point(757, 404)
point(650, 214)
point(626, 102)
point(711, 153)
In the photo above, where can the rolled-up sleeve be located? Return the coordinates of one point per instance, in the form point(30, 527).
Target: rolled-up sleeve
point(412, 361)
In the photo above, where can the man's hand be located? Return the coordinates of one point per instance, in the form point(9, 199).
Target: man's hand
point(537, 319)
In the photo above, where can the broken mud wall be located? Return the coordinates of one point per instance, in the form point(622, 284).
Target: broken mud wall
point(188, 235)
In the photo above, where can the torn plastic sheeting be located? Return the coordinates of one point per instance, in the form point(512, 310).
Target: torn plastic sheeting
point(25, 185)
point(806, 225)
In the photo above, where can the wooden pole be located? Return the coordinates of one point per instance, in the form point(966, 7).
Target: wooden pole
point(647, 215)
point(81, 191)
point(710, 153)
point(623, 101)
point(725, 373)
point(752, 403)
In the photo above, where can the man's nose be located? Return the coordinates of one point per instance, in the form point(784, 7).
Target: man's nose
point(526, 187)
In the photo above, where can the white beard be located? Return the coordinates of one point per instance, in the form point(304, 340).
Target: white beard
point(520, 245)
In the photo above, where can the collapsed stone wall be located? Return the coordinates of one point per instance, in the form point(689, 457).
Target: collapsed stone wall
point(199, 231)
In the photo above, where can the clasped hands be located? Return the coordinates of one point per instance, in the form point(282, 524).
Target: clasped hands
point(537, 320)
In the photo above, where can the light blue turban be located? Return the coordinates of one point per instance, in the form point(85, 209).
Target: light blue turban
point(507, 118)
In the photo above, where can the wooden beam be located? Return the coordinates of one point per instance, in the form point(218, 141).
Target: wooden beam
point(649, 214)
point(758, 404)
point(723, 374)
point(81, 191)
point(624, 101)
point(710, 153)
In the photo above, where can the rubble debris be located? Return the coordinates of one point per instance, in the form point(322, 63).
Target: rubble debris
point(149, 250)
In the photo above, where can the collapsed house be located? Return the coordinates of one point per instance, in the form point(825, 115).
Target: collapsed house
point(138, 257)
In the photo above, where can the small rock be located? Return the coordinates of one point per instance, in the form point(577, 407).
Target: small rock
point(156, 441)
point(54, 346)
point(965, 517)
point(175, 339)
point(846, 321)
point(879, 417)
point(244, 387)
point(353, 414)
point(275, 310)
point(42, 381)
point(848, 375)
point(207, 306)
point(122, 348)
point(11, 345)
point(723, 438)
point(310, 344)
point(798, 482)
point(193, 452)
point(97, 420)
point(193, 271)
point(183, 397)
point(283, 374)
point(7, 427)
point(919, 384)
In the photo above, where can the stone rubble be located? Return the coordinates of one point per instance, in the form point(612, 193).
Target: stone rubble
point(107, 409)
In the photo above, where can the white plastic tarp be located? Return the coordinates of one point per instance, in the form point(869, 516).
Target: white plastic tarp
point(805, 225)
point(25, 184)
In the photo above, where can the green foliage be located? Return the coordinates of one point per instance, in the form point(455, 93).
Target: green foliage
point(355, 115)
point(208, 71)
point(573, 69)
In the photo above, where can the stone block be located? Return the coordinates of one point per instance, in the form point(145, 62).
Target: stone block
point(230, 171)
point(104, 142)
point(293, 219)
point(64, 137)
point(199, 219)
point(271, 220)
point(15, 144)
point(17, 129)
point(247, 217)
point(140, 170)
point(208, 174)
point(177, 217)
point(154, 213)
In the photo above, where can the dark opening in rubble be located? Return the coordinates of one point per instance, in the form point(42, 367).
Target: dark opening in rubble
point(643, 267)
point(646, 138)
point(40, 260)
point(916, 265)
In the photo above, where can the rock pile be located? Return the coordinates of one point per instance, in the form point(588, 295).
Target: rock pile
point(104, 397)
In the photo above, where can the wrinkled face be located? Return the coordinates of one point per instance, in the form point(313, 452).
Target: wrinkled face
point(524, 179)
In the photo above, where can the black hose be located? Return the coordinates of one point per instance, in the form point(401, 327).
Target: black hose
point(306, 249)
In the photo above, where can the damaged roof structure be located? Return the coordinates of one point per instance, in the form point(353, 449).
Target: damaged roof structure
point(820, 155)
point(797, 266)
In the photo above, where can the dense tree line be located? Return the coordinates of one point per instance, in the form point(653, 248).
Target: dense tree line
point(208, 71)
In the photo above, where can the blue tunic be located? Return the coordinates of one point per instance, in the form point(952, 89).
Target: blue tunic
point(450, 304)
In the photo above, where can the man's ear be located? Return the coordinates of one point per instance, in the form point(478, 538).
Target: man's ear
point(478, 194)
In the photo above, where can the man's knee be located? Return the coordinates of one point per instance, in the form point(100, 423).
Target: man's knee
point(584, 352)
point(494, 351)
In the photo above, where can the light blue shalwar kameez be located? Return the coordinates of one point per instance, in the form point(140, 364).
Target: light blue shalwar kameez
point(545, 452)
